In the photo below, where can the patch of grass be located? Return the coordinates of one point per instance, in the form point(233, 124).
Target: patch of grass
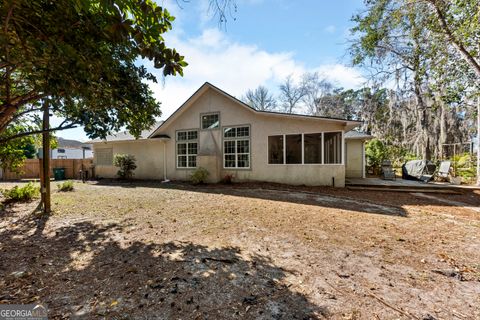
point(65, 186)
point(21, 194)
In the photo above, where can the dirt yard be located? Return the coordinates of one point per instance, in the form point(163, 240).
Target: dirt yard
point(257, 251)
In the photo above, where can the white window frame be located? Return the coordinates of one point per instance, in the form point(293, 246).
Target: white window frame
point(303, 149)
point(187, 142)
point(210, 114)
point(236, 154)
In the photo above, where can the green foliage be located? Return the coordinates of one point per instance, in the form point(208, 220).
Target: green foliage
point(21, 194)
point(84, 58)
point(399, 155)
point(199, 176)
point(39, 141)
point(29, 150)
point(464, 160)
point(409, 156)
point(375, 152)
point(467, 173)
point(464, 165)
point(126, 163)
point(14, 152)
point(65, 186)
point(428, 49)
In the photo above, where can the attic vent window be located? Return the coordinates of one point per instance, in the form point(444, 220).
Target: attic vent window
point(210, 121)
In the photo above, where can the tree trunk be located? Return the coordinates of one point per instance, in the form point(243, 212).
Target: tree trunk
point(478, 140)
point(423, 115)
point(443, 129)
point(46, 161)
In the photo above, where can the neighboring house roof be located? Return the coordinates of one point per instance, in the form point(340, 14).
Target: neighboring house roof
point(71, 144)
point(67, 143)
point(126, 136)
point(357, 135)
point(208, 85)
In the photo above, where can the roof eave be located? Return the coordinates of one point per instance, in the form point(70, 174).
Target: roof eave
point(180, 110)
point(359, 138)
point(349, 124)
point(122, 140)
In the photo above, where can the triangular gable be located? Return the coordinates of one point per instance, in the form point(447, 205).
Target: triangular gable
point(350, 124)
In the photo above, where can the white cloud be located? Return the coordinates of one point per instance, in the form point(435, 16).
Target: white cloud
point(330, 29)
point(235, 68)
point(341, 75)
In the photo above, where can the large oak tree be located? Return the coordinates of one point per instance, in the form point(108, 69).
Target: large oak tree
point(84, 60)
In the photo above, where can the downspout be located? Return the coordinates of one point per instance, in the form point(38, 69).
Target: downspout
point(165, 162)
point(363, 160)
point(164, 139)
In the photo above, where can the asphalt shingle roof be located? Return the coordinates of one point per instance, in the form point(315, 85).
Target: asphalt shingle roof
point(125, 135)
point(352, 134)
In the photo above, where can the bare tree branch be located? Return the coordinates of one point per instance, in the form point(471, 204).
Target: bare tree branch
point(27, 133)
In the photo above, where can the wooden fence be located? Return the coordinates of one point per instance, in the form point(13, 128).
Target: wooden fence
point(31, 169)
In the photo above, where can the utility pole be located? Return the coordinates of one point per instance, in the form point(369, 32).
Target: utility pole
point(46, 159)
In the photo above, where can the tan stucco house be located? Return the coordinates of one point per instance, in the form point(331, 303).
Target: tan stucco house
point(218, 132)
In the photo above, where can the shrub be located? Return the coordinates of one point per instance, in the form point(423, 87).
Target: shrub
point(65, 186)
point(199, 176)
point(20, 194)
point(126, 163)
point(375, 152)
point(228, 179)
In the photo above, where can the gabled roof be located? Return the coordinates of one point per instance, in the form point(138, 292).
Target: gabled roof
point(206, 86)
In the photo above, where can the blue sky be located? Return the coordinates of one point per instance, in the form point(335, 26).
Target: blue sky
point(267, 41)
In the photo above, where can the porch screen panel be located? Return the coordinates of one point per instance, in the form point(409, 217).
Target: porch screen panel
point(293, 149)
point(313, 148)
point(332, 148)
point(275, 149)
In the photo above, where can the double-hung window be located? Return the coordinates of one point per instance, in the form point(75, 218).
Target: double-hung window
point(236, 147)
point(187, 148)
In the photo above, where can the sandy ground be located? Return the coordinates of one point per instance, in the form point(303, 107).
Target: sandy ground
point(259, 251)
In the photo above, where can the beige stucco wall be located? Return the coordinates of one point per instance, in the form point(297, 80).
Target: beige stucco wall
point(354, 158)
point(261, 126)
point(148, 153)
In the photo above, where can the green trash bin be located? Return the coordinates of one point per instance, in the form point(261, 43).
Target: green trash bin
point(59, 173)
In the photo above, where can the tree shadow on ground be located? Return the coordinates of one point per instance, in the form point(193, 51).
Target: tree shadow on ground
point(87, 270)
point(270, 191)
